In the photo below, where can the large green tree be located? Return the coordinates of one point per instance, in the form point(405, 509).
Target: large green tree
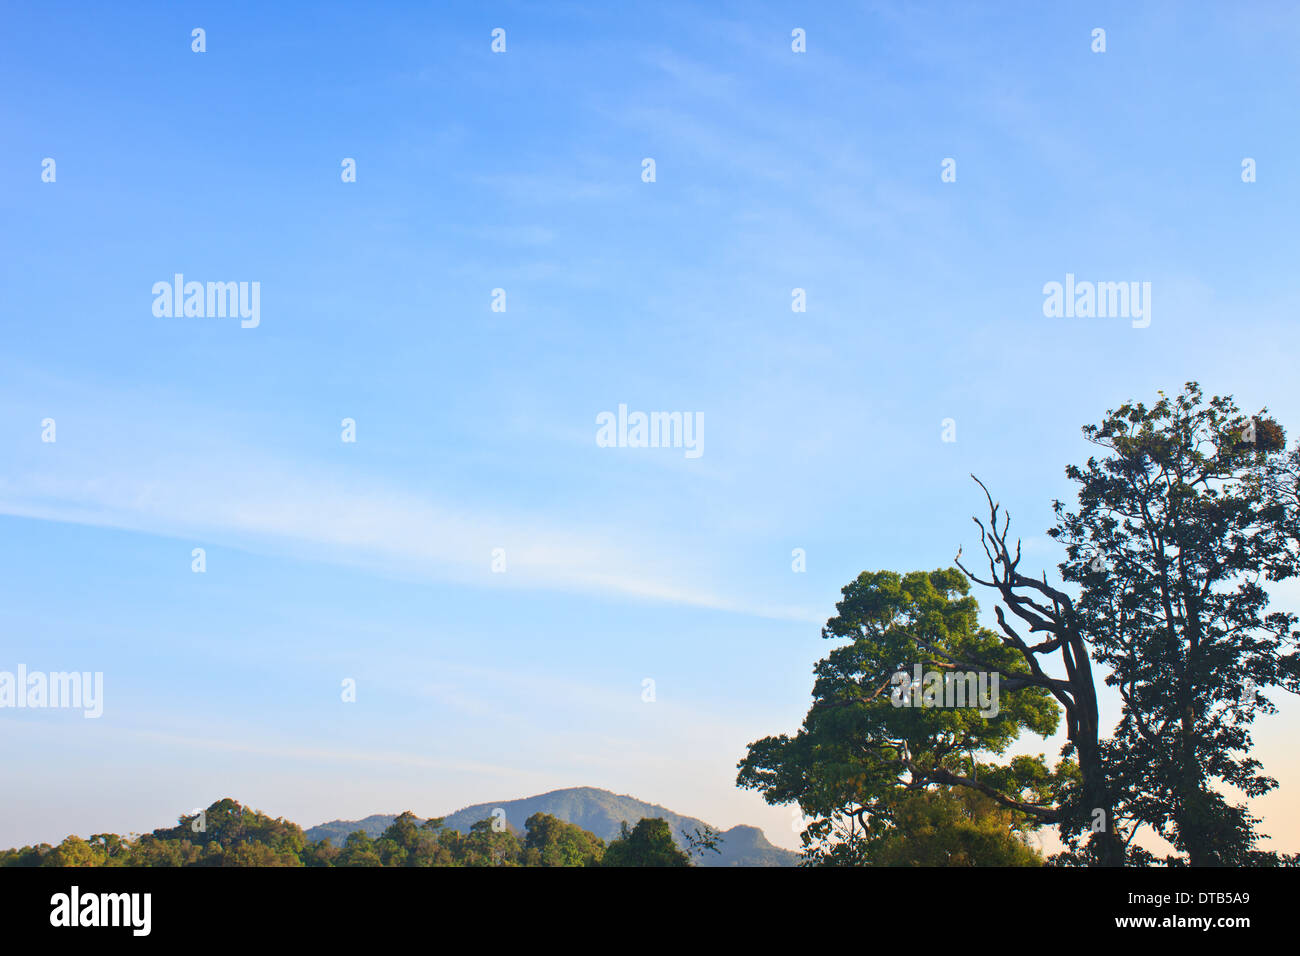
point(1181, 523)
point(407, 842)
point(552, 842)
point(859, 757)
point(488, 843)
point(649, 843)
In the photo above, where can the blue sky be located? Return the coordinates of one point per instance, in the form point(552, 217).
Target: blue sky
point(475, 429)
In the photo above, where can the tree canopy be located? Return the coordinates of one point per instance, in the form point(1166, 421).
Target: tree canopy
point(228, 834)
point(649, 843)
point(859, 756)
point(1179, 526)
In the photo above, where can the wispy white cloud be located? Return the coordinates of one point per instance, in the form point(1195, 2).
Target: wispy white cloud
point(225, 494)
point(331, 755)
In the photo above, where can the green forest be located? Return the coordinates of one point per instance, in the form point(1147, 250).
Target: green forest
point(229, 834)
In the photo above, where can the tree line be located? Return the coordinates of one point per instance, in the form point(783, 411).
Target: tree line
point(229, 834)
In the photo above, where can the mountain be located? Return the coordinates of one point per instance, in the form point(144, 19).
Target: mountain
point(597, 811)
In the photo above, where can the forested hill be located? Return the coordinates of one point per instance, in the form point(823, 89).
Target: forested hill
point(597, 811)
point(229, 834)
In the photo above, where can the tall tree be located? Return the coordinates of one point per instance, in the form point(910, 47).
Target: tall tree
point(359, 850)
point(1089, 806)
point(859, 754)
point(649, 843)
point(1179, 527)
point(551, 841)
point(406, 842)
point(489, 844)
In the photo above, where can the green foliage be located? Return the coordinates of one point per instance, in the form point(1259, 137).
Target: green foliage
point(596, 811)
point(944, 827)
point(1178, 527)
point(233, 835)
point(229, 834)
point(359, 850)
point(552, 842)
point(857, 756)
point(408, 842)
point(649, 843)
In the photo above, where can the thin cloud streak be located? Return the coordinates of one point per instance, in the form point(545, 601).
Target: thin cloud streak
point(360, 525)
